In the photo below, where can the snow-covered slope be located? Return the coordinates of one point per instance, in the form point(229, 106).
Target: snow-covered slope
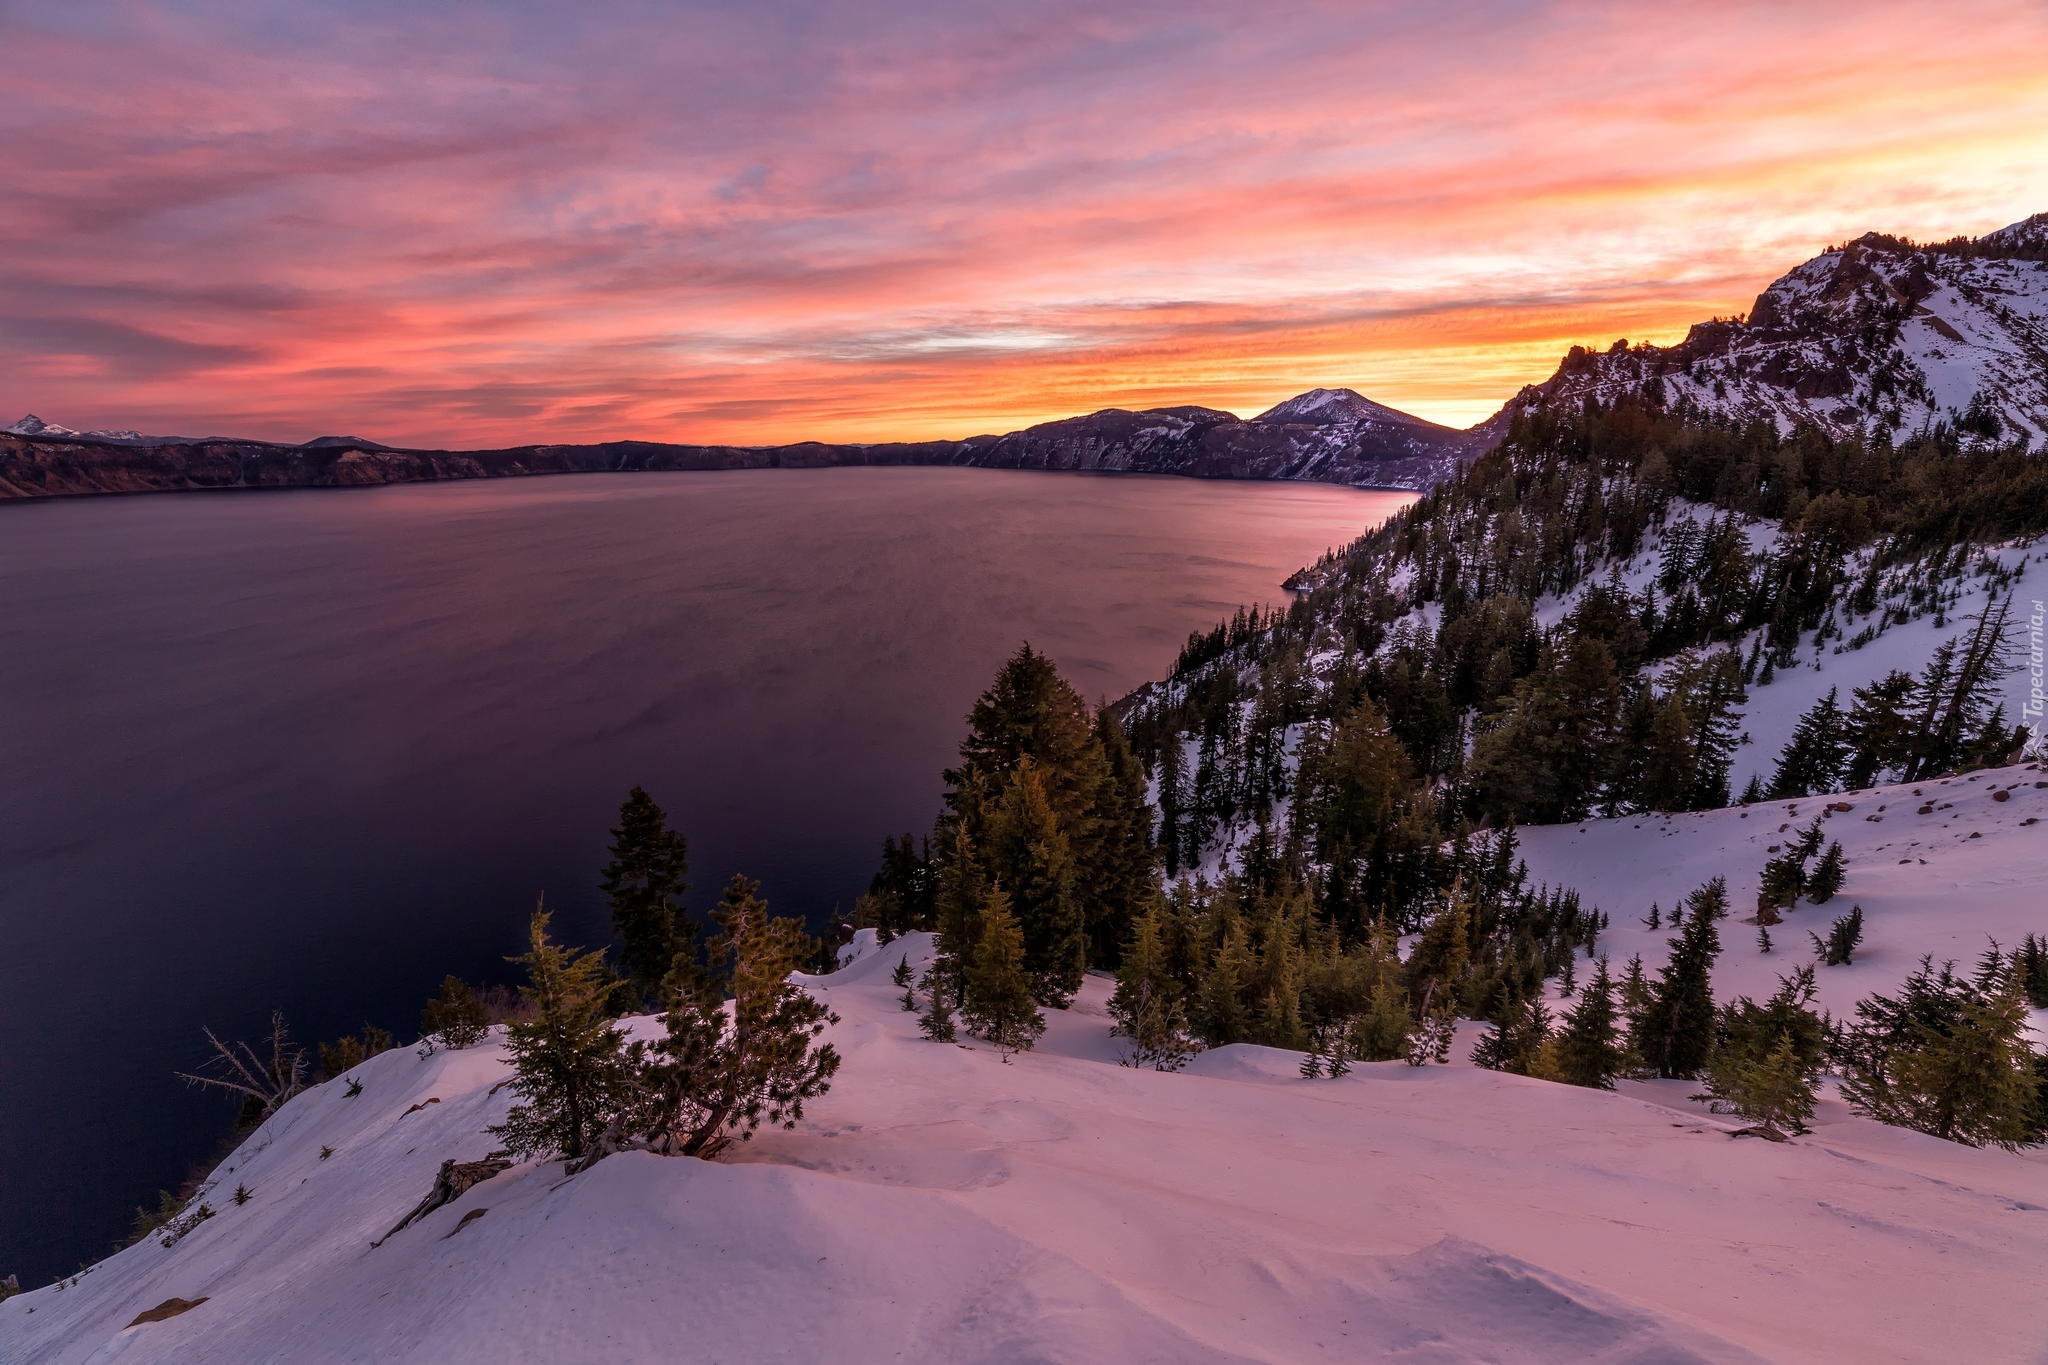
point(942, 1205)
point(1876, 333)
point(1972, 870)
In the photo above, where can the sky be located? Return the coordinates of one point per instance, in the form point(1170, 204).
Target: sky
point(472, 225)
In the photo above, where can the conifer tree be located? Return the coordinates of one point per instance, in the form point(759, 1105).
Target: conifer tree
point(569, 1064)
point(716, 1076)
point(936, 1023)
point(1031, 858)
point(1826, 877)
point(1436, 967)
point(1844, 935)
point(998, 1005)
point(2030, 968)
point(1514, 1041)
point(1589, 1050)
point(1813, 759)
point(454, 1018)
point(1767, 1058)
point(900, 974)
point(1221, 1015)
point(1947, 1056)
point(1125, 878)
point(1677, 1032)
point(644, 883)
point(1148, 1006)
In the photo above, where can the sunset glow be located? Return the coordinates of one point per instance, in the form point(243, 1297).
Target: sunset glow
point(789, 221)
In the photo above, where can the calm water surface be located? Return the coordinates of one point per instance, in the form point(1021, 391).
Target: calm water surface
point(313, 750)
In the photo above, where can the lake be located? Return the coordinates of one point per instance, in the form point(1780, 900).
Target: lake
point(314, 750)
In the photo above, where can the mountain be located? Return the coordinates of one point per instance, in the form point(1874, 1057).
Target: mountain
point(35, 426)
point(1326, 435)
point(1878, 334)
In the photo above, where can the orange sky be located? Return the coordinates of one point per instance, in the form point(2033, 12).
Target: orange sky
point(788, 221)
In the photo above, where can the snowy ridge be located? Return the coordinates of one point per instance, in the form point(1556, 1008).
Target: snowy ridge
point(943, 1206)
point(1879, 334)
point(33, 425)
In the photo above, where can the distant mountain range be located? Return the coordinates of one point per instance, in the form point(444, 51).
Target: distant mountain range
point(1880, 334)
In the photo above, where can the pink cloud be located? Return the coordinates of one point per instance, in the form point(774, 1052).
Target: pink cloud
point(822, 221)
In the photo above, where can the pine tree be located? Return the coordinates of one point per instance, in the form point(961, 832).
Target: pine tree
point(1813, 759)
point(1826, 878)
point(1948, 1056)
point(1978, 1083)
point(1767, 1058)
point(2030, 968)
point(453, 1019)
point(900, 974)
point(1678, 1031)
point(1148, 1005)
point(1031, 857)
point(1844, 936)
point(1589, 1050)
point(569, 1064)
point(718, 1075)
point(936, 1023)
point(1436, 967)
point(998, 1004)
point(1220, 1013)
point(644, 883)
point(1312, 1061)
point(1763, 939)
point(1514, 1041)
point(1125, 878)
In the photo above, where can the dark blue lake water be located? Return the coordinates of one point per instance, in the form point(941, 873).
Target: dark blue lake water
point(313, 750)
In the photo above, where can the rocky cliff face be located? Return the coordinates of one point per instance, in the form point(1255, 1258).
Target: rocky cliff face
point(1879, 334)
point(1328, 435)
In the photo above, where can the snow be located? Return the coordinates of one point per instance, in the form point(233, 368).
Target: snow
point(942, 1205)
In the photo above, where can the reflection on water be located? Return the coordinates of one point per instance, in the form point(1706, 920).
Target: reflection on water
point(313, 750)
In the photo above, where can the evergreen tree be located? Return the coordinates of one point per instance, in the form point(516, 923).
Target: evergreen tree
point(644, 884)
point(454, 1018)
point(998, 1004)
point(1947, 1056)
point(1677, 1035)
point(1125, 878)
point(1221, 1016)
point(1148, 1006)
point(717, 1075)
point(1382, 1032)
point(1844, 935)
point(1437, 965)
point(1826, 877)
point(900, 974)
point(1814, 758)
point(936, 1023)
point(1589, 1050)
point(569, 1064)
point(2030, 968)
point(1031, 857)
point(1514, 1041)
point(1767, 1058)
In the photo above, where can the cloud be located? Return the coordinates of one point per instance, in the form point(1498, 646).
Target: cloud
point(479, 224)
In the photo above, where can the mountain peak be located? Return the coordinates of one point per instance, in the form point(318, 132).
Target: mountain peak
point(1879, 334)
point(1329, 407)
point(32, 425)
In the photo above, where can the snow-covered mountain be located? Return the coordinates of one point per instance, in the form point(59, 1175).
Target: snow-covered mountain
point(1327, 435)
point(33, 425)
point(1880, 333)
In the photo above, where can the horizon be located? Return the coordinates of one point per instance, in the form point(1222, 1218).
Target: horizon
point(804, 224)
